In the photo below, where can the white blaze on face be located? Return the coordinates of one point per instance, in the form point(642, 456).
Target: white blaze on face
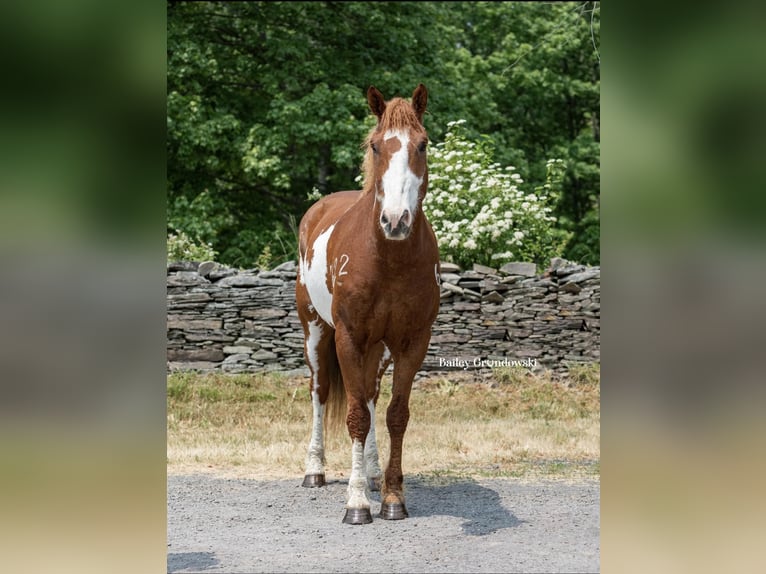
point(400, 184)
point(314, 277)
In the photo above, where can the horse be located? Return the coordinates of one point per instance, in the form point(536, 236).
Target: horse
point(367, 294)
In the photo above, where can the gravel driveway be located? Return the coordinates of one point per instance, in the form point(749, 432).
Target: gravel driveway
point(455, 525)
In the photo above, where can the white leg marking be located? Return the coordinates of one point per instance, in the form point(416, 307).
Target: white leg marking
point(371, 459)
point(357, 483)
point(315, 457)
point(383, 360)
point(314, 276)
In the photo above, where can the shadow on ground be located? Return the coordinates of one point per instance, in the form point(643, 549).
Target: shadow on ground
point(191, 561)
point(479, 506)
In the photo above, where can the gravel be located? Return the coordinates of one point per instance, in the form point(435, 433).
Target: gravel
point(454, 525)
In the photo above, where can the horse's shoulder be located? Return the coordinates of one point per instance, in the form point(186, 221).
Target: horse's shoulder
point(326, 211)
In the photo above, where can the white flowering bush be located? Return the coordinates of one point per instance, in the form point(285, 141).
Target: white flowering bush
point(480, 211)
point(181, 247)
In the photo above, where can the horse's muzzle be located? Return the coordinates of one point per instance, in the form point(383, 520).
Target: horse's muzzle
point(396, 226)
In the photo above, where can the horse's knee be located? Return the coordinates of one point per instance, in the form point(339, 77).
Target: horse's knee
point(397, 417)
point(358, 421)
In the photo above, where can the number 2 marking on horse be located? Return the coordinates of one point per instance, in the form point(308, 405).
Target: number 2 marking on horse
point(340, 272)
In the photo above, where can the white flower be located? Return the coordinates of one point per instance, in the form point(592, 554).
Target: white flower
point(518, 235)
point(470, 244)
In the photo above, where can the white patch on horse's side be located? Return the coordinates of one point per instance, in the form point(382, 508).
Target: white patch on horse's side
point(357, 482)
point(371, 458)
point(315, 457)
point(400, 185)
point(314, 277)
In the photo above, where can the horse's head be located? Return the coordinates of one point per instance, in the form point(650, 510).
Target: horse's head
point(395, 162)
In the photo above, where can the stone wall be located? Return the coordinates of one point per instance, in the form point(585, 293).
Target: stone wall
point(245, 321)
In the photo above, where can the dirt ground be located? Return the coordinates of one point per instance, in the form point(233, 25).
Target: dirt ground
point(454, 525)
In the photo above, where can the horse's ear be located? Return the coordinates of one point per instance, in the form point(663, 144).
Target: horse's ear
point(376, 102)
point(419, 101)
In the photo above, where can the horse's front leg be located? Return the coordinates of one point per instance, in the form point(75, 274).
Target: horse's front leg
point(397, 417)
point(358, 422)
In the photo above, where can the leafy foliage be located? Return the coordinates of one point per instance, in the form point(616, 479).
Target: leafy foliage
point(266, 102)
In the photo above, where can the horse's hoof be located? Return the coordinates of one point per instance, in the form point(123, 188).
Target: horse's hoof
point(373, 483)
point(357, 516)
point(313, 480)
point(396, 511)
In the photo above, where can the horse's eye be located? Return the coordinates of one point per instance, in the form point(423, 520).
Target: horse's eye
point(422, 146)
point(374, 147)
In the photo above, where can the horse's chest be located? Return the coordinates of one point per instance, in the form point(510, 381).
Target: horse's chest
point(404, 302)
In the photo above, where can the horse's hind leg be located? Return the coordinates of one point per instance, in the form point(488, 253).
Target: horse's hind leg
point(318, 338)
point(379, 360)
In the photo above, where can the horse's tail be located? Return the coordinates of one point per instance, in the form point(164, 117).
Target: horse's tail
point(336, 408)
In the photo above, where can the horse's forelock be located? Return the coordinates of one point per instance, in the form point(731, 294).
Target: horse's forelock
point(399, 114)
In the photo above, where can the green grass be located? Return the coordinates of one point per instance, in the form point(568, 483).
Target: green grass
point(517, 424)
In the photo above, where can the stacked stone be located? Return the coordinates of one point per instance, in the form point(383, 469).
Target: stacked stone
point(235, 321)
point(513, 314)
point(245, 321)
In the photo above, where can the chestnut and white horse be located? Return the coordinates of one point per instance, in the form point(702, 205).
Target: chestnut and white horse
point(367, 294)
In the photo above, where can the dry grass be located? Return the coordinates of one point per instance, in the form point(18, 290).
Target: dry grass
point(512, 423)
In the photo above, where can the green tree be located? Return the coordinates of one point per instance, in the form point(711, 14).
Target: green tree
point(266, 102)
point(542, 68)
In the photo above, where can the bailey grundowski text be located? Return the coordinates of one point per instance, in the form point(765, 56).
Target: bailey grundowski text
point(478, 363)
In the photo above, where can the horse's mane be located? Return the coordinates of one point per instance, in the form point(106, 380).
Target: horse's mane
point(398, 114)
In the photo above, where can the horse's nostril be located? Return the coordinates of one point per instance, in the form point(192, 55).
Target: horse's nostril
point(406, 217)
point(383, 218)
